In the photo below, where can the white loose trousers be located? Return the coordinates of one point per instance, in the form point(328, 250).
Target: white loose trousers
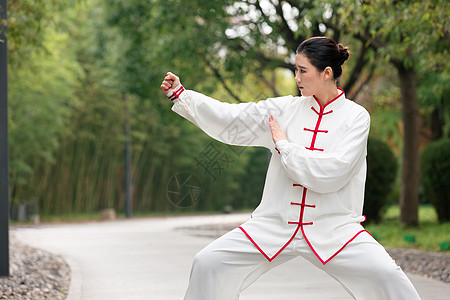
point(232, 263)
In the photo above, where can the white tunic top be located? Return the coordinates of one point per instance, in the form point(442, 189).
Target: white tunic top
point(315, 180)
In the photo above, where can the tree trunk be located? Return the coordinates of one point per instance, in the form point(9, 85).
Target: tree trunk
point(437, 124)
point(409, 197)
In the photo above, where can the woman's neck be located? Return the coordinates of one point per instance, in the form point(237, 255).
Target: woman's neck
point(327, 94)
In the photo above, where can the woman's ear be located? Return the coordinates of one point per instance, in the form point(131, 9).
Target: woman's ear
point(327, 73)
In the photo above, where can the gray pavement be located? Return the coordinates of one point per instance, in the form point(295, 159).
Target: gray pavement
point(147, 259)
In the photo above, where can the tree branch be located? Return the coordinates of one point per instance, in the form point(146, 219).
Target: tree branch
point(373, 43)
point(284, 29)
point(261, 57)
point(364, 83)
point(271, 85)
point(361, 62)
point(221, 79)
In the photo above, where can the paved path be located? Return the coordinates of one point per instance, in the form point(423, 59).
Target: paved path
point(147, 259)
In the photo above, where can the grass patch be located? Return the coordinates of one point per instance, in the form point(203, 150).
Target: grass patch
point(69, 218)
point(429, 236)
point(95, 216)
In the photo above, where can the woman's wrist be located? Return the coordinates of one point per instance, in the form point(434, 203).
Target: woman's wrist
point(280, 144)
point(175, 93)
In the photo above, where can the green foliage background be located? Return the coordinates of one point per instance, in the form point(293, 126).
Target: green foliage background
point(76, 67)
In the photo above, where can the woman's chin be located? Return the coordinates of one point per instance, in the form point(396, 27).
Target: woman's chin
point(305, 93)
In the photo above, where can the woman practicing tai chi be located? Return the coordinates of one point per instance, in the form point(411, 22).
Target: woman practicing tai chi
point(314, 191)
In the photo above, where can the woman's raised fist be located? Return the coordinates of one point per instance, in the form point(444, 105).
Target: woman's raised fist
point(170, 82)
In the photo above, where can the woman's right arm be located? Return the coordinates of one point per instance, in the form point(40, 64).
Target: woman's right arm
point(243, 124)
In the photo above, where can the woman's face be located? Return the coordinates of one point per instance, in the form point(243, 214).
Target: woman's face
point(307, 77)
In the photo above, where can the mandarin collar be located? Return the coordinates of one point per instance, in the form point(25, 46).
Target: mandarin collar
point(333, 104)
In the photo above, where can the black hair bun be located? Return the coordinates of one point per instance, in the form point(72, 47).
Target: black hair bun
point(343, 54)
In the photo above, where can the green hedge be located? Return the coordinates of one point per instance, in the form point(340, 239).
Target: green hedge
point(435, 176)
point(381, 172)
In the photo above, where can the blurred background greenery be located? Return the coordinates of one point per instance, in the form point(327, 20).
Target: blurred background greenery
point(76, 67)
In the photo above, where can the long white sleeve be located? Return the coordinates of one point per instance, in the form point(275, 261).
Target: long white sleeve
point(243, 124)
point(326, 172)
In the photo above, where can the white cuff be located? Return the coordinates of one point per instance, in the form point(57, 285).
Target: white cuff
point(175, 93)
point(281, 144)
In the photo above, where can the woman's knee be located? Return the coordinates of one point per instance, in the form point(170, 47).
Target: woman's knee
point(383, 269)
point(206, 260)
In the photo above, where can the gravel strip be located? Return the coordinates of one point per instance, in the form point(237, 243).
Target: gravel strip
point(34, 275)
point(434, 265)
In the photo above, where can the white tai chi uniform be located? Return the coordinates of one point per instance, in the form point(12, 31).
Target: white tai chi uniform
point(312, 200)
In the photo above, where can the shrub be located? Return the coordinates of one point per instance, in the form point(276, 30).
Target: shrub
point(381, 173)
point(435, 176)
point(252, 180)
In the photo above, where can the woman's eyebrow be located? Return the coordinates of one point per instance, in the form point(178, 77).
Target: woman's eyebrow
point(301, 67)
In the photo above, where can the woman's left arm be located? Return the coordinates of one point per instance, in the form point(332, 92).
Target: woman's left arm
point(325, 172)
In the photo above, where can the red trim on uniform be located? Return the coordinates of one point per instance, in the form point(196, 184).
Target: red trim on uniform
point(313, 149)
point(312, 107)
point(337, 252)
point(303, 204)
point(302, 209)
point(261, 250)
point(320, 105)
point(323, 113)
point(292, 237)
point(313, 141)
point(277, 150)
point(254, 243)
point(179, 91)
point(315, 130)
point(309, 243)
point(365, 218)
point(176, 93)
point(299, 223)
